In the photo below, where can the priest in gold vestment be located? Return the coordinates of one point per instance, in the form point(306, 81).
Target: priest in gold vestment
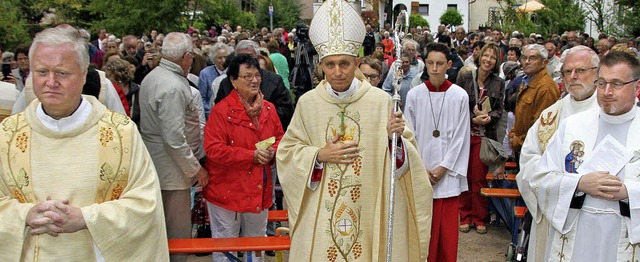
point(76, 181)
point(334, 160)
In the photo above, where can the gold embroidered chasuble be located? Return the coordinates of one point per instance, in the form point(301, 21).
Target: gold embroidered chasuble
point(102, 167)
point(345, 217)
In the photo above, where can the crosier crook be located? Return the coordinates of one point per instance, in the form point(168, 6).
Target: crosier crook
point(400, 25)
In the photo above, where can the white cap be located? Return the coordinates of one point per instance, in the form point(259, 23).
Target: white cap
point(336, 29)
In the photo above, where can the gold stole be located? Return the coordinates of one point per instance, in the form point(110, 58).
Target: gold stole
point(549, 119)
point(114, 157)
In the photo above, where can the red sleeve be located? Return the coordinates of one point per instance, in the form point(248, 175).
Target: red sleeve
point(316, 175)
point(400, 156)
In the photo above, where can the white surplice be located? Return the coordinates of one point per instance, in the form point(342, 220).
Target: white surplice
point(596, 230)
point(534, 145)
point(451, 148)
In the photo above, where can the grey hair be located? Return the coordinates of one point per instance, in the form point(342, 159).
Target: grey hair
point(7, 55)
point(222, 39)
point(516, 39)
point(175, 45)
point(593, 57)
point(248, 44)
point(405, 42)
point(85, 34)
point(63, 36)
point(537, 47)
point(213, 52)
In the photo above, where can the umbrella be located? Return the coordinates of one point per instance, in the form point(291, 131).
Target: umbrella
point(530, 6)
point(504, 206)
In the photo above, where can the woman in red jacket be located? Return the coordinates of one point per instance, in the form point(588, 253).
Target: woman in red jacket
point(240, 139)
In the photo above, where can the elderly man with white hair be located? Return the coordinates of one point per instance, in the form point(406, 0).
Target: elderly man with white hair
point(578, 76)
point(165, 97)
point(537, 92)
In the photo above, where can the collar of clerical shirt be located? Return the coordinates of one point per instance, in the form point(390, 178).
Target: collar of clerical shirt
point(355, 85)
point(619, 119)
point(66, 123)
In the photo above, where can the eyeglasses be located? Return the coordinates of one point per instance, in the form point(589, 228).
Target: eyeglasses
point(372, 76)
point(579, 70)
point(250, 77)
point(602, 84)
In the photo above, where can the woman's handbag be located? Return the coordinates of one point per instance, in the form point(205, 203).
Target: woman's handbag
point(491, 151)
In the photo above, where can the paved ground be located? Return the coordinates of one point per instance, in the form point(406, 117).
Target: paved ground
point(490, 247)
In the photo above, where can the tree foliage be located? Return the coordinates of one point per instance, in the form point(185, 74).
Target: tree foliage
point(628, 18)
point(600, 13)
point(554, 19)
point(286, 13)
point(417, 20)
point(226, 11)
point(12, 26)
point(451, 17)
point(137, 17)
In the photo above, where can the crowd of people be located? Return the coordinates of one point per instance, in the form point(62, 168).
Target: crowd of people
point(155, 116)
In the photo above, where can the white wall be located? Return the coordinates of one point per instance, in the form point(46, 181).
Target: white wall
point(479, 13)
point(437, 8)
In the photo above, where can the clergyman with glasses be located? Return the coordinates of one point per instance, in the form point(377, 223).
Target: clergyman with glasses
point(591, 205)
point(578, 76)
point(537, 92)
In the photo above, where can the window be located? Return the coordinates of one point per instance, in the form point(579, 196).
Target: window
point(452, 7)
point(423, 9)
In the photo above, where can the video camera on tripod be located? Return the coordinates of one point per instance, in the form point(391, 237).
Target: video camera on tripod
point(302, 72)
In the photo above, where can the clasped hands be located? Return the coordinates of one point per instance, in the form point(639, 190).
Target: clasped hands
point(436, 174)
point(481, 117)
point(345, 152)
point(53, 217)
point(263, 156)
point(603, 185)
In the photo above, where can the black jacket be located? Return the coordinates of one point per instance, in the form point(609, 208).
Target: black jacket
point(273, 90)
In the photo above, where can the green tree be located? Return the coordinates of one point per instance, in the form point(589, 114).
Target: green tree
point(451, 17)
point(417, 20)
point(137, 17)
point(628, 17)
point(512, 20)
point(75, 12)
point(12, 26)
point(554, 19)
point(286, 13)
point(600, 13)
point(226, 11)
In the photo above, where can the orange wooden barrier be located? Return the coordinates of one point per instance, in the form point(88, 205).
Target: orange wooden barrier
point(500, 192)
point(209, 245)
point(278, 215)
point(519, 211)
